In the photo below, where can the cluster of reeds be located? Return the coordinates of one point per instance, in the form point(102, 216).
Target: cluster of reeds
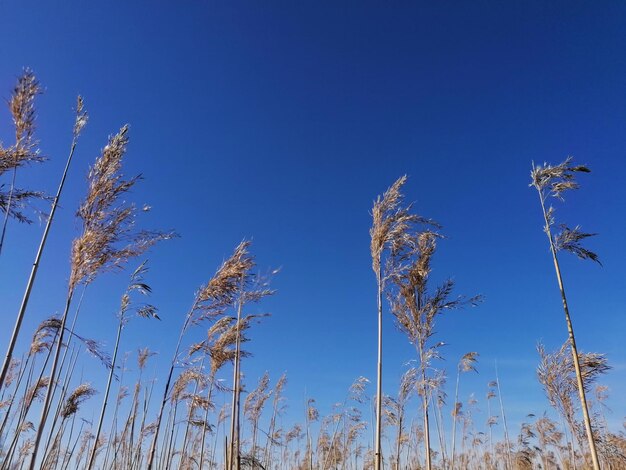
point(204, 416)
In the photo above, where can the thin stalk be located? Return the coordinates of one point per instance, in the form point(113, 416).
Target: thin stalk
point(206, 417)
point(92, 457)
point(64, 388)
point(490, 428)
point(379, 373)
point(191, 410)
point(35, 267)
point(8, 209)
point(234, 419)
point(167, 388)
point(426, 424)
point(454, 416)
point(50, 388)
point(506, 429)
point(439, 426)
point(572, 340)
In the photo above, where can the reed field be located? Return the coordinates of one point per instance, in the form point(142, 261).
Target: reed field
point(202, 409)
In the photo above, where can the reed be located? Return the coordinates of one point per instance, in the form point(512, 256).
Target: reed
point(23, 151)
point(553, 182)
point(389, 234)
point(415, 308)
point(466, 364)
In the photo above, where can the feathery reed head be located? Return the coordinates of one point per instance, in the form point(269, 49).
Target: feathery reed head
point(390, 222)
point(79, 395)
point(22, 107)
point(24, 150)
point(554, 180)
point(81, 117)
point(227, 285)
point(468, 362)
point(108, 240)
point(142, 357)
point(35, 391)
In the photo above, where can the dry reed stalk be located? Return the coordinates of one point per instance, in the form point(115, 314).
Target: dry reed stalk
point(277, 409)
point(64, 391)
point(311, 415)
point(437, 387)
point(249, 289)
point(46, 330)
point(408, 383)
point(356, 393)
point(506, 428)
point(391, 223)
point(491, 419)
point(137, 285)
point(70, 408)
point(194, 400)
point(466, 364)
point(554, 181)
point(253, 408)
point(79, 123)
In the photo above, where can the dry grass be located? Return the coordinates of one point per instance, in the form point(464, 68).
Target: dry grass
point(190, 425)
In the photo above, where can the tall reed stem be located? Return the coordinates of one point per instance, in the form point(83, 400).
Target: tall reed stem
point(35, 267)
point(107, 390)
point(572, 340)
point(506, 428)
point(379, 373)
point(234, 461)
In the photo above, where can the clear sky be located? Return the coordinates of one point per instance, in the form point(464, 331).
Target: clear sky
point(282, 121)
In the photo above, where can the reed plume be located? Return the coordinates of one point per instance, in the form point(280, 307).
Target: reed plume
point(25, 150)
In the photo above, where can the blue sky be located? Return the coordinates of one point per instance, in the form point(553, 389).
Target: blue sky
point(282, 121)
